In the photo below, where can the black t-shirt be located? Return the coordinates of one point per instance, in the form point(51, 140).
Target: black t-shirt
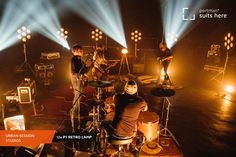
point(127, 109)
point(78, 66)
point(164, 54)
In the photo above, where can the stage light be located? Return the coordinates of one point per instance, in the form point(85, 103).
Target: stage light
point(171, 39)
point(62, 35)
point(124, 60)
point(24, 33)
point(229, 89)
point(183, 12)
point(124, 51)
point(229, 41)
point(96, 35)
point(16, 13)
point(104, 14)
point(136, 36)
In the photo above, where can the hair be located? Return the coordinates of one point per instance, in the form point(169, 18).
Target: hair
point(76, 47)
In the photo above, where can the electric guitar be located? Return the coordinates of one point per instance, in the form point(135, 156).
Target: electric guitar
point(103, 69)
point(164, 59)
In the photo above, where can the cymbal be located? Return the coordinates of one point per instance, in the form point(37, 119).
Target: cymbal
point(162, 92)
point(151, 147)
point(100, 83)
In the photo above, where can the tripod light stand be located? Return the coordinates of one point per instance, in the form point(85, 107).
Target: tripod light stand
point(124, 60)
point(165, 131)
point(24, 35)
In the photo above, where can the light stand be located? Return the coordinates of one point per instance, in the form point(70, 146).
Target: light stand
point(136, 36)
point(25, 65)
point(165, 131)
point(124, 60)
point(24, 35)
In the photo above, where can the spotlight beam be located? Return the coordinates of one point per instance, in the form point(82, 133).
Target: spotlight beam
point(103, 14)
point(44, 21)
point(178, 25)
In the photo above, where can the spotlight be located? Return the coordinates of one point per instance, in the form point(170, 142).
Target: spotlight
point(136, 36)
point(124, 60)
point(62, 34)
point(229, 89)
point(124, 51)
point(229, 92)
point(171, 39)
point(96, 35)
point(24, 33)
point(228, 41)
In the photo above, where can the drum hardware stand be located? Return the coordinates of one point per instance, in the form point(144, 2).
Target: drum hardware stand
point(124, 60)
point(95, 125)
point(165, 131)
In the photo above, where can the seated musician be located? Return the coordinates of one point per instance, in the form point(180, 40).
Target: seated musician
point(100, 64)
point(165, 57)
point(128, 106)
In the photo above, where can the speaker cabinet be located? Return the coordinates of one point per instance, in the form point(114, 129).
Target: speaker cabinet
point(26, 91)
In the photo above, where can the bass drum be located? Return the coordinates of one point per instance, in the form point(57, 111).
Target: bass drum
point(148, 124)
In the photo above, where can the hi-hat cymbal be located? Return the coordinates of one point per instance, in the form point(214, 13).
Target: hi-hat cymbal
point(162, 92)
point(99, 83)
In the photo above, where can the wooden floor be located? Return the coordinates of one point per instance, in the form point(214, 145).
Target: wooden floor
point(165, 148)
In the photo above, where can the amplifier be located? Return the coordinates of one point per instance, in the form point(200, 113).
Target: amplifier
point(26, 91)
point(45, 73)
point(138, 68)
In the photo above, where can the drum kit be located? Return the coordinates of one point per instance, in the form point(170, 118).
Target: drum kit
point(149, 126)
point(148, 122)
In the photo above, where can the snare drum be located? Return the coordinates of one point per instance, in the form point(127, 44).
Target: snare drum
point(148, 125)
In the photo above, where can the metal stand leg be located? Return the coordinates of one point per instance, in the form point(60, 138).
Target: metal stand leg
point(165, 131)
point(124, 60)
point(25, 64)
point(35, 110)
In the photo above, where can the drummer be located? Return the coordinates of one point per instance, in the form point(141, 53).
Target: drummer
point(128, 106)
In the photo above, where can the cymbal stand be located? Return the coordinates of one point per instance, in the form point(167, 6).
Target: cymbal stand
point(165, 131)
point(95, 125)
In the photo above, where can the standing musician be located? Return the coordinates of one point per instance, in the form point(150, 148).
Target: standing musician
point(128, 106)
point(100, 64)
point(164, 57)
point(78, 73)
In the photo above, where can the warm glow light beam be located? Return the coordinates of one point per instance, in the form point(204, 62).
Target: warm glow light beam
point(177, 16)
point(104, 14)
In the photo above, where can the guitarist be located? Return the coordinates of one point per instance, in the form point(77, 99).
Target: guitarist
point(165, 58)
point(78, 72)
point(100, 64)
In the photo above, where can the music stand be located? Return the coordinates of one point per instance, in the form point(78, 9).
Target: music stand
point(165, 93)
